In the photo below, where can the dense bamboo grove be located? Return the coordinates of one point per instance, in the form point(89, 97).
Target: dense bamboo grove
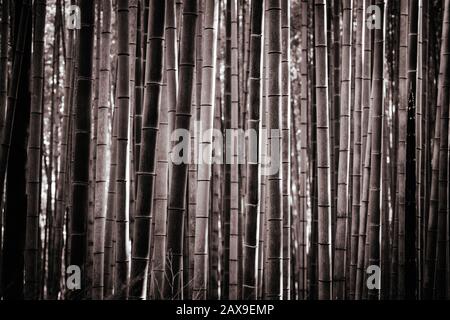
point(234, 149)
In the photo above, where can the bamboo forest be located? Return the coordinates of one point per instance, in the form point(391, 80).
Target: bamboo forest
point(224, 149)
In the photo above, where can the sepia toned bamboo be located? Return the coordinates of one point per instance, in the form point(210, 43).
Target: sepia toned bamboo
point(233, 157)
point(226, 166)
point(332, 58)
point(199, 59)
point(351, 151)
point(34, 156)
point(56, 101)
point(188, 277)
point(52, 163)
point(133, 21)
point(432, 246)
point(189, 235)
point(262, 250)
point(15, 211)
point(22, 20)
point(297, 208)
point(188, 227)
point(286, 146)
point(440, 286)
point(312, 117)
point(243, 40)
point(123, 104)
point(365, 183)
point(178, 181)
point(161, 186)
point(304, 160)
point(385, 247)
point(402, 145)
point(215, 236)
point(420, 138)
point(171, 61)
point(55, 234)
point(80, 177)
point(195, 133)
point(110, 230)
point(4, 34)
point(363, 217)
point(419, 95)
point(340, 246)
point(410, 182)
point(356, 172)
point(103, 155)
point(244, 54)
point(365, 155)
point(63, 172)
point(209, 48)
point(140, 85)
point(334, 65)
point(147, 164)
point(159, 218)
point(427, 94)
point(133, 43)
point(375, 161)
point(56, 139)
point(253, 223)
point(394, 12)
point(367, 79)
point(274, 236)
point(93, 153)
point(323, 165)
point(263, 144)
point(367, 242)
point(71, 143)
